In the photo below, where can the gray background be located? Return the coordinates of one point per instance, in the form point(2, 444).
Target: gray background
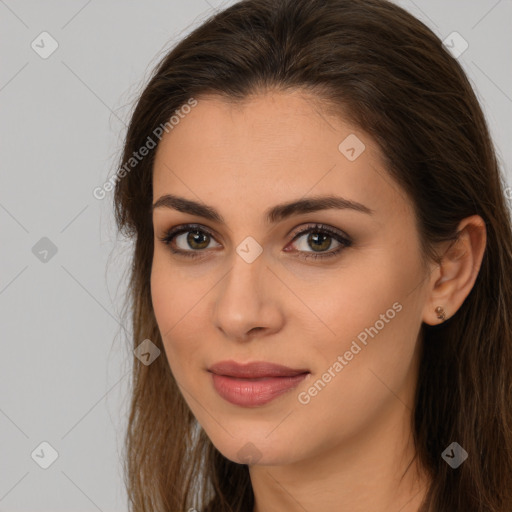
point(63, 365)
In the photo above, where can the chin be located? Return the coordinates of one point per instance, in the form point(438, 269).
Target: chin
point(257, 448)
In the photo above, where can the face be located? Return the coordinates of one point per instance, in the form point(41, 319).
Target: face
point(332, 291)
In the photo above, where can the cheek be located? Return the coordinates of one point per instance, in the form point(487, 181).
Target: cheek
point(372, 320)
point(342, 308)
point(163, 292)
point(178, 312)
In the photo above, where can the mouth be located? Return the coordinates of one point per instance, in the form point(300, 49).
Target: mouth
point(254, 384)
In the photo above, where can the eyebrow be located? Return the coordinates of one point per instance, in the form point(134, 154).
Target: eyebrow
point(272, 215)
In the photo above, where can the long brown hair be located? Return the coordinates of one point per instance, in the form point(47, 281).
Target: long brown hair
point(390, 75)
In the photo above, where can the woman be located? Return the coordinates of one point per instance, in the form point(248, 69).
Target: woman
point(323, 257)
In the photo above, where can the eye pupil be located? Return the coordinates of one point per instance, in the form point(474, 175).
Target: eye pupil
point(319, 238)
point(192, 239)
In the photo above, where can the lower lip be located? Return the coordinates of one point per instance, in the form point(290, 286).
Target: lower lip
point(254, 392)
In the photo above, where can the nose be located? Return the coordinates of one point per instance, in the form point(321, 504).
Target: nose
point(247, 304)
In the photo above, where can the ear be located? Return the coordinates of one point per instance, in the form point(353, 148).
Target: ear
point(452, 281)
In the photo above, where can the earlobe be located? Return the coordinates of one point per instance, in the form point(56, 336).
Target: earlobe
point(457, 272)
point(440, 312)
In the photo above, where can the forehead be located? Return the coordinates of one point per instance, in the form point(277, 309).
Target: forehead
point(267, 147)
point(289, 125)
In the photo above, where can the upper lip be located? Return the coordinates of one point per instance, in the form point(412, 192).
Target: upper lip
point(254, 370)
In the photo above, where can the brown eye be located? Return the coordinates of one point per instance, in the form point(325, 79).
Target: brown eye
point(197, 239)
point(319, 239)
point(192, 240)
point(187, 240)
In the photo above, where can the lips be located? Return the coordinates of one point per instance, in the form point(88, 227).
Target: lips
point(254, 384)
point(256, 370)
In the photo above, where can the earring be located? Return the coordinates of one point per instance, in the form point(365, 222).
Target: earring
point(440, 313)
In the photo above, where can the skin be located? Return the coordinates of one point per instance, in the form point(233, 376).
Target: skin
point(352, 442)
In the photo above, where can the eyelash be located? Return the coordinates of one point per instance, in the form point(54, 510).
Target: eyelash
point(313, 228)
